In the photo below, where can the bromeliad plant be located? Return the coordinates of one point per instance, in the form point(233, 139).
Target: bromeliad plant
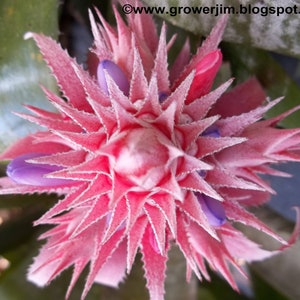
point(147, 156)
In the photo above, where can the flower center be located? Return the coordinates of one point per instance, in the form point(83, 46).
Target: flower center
point(142, 157)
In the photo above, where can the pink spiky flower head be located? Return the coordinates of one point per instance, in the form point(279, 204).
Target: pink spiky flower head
point(147, 158)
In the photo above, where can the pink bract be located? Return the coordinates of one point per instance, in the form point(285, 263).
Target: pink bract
point(161, 163)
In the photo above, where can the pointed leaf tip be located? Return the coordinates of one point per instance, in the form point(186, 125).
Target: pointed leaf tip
point(28, 35)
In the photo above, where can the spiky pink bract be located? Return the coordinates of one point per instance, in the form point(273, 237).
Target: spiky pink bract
point(159, 162)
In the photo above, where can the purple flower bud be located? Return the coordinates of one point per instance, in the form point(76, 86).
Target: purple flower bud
point(115, 73)
point(202, 173)
point(108, 220)
point(162, 96)
point(23, 172)
point(211, 131)
point(213, 209)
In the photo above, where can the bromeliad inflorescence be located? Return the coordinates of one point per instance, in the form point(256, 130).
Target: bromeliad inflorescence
point(147, 156)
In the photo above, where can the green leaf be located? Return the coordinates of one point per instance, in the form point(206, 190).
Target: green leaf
point(22, 69)
point(23, 201)
point(246, 62)
point(23, 211)
point(263, 290)
point(218, 288)
point(260, 23)
point(16, 231)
